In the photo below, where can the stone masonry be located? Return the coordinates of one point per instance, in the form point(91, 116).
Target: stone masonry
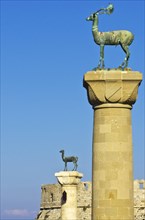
point(50, 208)
point(69, 181)
point(111, 94)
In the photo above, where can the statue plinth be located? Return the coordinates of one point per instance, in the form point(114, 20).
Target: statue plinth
point(114, 86)
point(69, 177)
point(69, 181)
point(112, 94)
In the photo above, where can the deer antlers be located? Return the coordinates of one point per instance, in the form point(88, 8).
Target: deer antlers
point(107, 10)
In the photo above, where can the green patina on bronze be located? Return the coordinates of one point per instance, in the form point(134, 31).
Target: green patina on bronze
point(120, 37)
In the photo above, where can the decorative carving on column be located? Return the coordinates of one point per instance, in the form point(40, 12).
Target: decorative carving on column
point(112, 86)
point(112, 94)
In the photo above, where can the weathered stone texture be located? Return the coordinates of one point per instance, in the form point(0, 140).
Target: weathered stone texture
point(50, 208)
point(112, 94)
point(84, 200)
point(69, 181)
point(139, 199)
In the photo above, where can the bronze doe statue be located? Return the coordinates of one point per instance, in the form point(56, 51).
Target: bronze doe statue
point(69, 159)
point(123, 38)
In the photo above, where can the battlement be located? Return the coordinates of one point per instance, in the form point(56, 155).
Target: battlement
point(139, 199)
point(51, 194)
point(139, 184)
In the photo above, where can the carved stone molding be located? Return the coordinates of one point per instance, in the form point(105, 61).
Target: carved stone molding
point(112, 86)
point(69, 177)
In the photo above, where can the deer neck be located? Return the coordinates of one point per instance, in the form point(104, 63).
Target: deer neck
point(62, 155)
point(95, 25)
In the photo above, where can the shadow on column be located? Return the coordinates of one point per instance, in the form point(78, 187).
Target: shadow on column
point(63, 198)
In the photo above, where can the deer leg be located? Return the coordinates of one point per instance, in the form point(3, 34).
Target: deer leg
point(74, 165)
point(101, 61)
point(102, 55)
point(126, 50)
point(65, 168)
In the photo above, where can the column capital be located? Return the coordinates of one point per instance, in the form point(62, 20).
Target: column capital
point(112, 86)
point(69, 177)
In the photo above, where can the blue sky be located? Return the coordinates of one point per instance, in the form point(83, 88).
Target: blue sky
point(46, 48)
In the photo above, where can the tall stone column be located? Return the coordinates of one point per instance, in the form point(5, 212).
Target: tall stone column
point(112, 94)
point(69, 181)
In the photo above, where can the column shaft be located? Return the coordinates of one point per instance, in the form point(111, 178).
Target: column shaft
point(112, 163)
point(112, 94)
point(69, 181)
point(69, 207)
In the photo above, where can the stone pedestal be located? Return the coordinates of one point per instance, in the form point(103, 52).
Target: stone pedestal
point(112, 94)
point(69, 181)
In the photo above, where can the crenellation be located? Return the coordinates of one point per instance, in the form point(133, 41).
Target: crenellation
point(139, 199)
point(51, 201)
point(113, 193)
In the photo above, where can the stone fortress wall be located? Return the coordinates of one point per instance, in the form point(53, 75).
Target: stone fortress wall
point(139, 199)
point(50, 208)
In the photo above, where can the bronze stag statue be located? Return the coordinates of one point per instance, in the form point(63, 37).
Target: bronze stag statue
point(69, 159)
point(123, 38)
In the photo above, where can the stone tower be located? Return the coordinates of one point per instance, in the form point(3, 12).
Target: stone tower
point(112, 94)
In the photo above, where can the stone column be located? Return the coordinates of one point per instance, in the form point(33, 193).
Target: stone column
point(112, 94)
point(69, 181)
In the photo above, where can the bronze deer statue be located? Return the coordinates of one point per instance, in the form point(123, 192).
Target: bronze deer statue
point(123, 38)
point(69, 159)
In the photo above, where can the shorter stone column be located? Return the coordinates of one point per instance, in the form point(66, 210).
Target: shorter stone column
point(69, 181)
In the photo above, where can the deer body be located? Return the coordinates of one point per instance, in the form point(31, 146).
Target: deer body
point(69, 159)
point(112, 38)
point(120, 37)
